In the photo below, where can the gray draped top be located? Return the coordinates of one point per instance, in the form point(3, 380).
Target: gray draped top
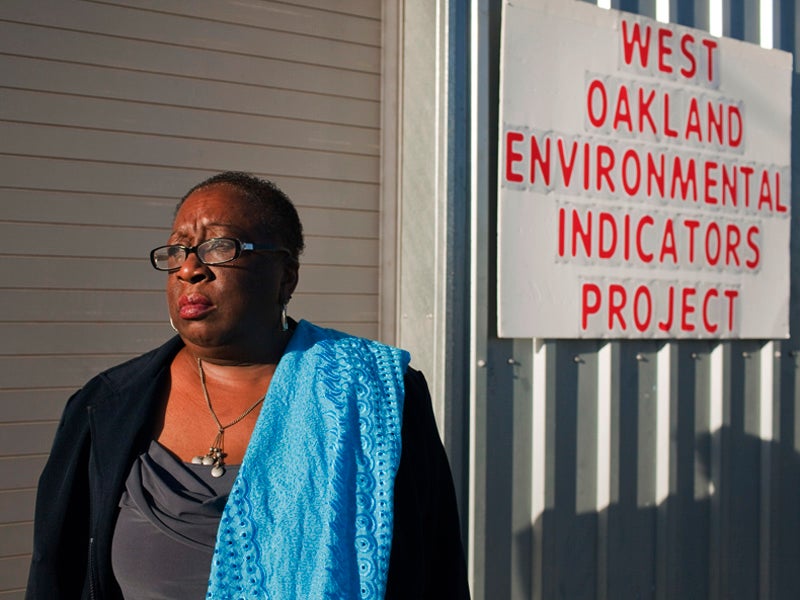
point(167, 526)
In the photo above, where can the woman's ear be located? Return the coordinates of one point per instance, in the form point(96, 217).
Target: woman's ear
point(289, 279)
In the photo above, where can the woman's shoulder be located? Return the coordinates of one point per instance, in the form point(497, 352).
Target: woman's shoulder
point(143, 366)
point(417, 395)
point(136, 372)
point(421, 440)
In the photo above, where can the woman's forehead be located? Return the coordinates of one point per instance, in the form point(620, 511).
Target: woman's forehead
point(217, 206)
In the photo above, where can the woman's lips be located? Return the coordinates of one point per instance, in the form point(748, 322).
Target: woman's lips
point(194, 306)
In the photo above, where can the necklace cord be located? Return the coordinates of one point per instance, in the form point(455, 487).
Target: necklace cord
point(221, 427)
point(215, 453)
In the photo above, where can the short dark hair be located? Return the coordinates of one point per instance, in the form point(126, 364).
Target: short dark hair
point(273, 208)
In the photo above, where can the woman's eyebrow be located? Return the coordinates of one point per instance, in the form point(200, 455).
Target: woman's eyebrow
point(187, 231)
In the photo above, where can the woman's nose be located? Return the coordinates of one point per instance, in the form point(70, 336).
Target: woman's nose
point(192, 270)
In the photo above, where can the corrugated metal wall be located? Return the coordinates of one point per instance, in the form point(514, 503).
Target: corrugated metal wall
point(630, 469)
point(109, 111)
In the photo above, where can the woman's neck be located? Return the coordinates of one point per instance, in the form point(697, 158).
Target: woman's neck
point(251, 354)
point(228, 370)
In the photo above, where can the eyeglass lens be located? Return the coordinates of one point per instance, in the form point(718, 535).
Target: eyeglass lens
point(210, 252)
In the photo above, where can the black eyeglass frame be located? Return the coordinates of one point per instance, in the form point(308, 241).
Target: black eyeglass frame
point(239, 245)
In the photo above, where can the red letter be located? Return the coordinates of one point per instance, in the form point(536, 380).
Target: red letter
point(729, 185)
point(667, 325)
point(691, 225)
point(630, 155)
point(709, 182)
point(606, 250)
point(586, 156)
point(686, 309)
point(685, 182)
point(596, 84)
point(710, 327)
point(626, 252)
point(668, 131)
point(542, 161)
point(714, 122)
point(644, 110)
point(511, 156)
point(615, 308)
point(752, 241)
point(731, 295)
point(622, 110)
point(713, 259)
point(664, 50)
point(567, 166)
point(587, 308)
point(686, 39)
point(636, 38)
point(643, 256)
point(655, 173)
point(746, 172)
point(764, 193)
point(732, 238)
point(711, 45)
point(693, 121)
point(778, 206)
point(668, 242)
point(642, 290)
point(605, 167)
point(585, 234)
point(734, 117)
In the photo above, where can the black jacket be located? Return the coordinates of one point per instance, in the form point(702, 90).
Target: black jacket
point(110, 421)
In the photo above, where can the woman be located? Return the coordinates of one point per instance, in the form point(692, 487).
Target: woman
point(250, 456)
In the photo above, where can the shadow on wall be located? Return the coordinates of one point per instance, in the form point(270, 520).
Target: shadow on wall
point(737, 541)
point(729, 526)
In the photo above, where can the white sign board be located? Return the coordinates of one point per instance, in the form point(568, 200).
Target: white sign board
point(644, 179)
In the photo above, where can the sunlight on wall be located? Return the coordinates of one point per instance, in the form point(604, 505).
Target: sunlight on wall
point(715, 17)
point(765, 34)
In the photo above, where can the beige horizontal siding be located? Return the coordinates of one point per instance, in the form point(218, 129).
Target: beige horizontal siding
point(68, 372)
point(149, 150)
point(164, 182)
point(137, 32)
point(82, 207)
point(345, 21)
point(109, 111)
point(307, 103)
point(24, 106)
point(15, 537)
point(35, 308)
point(13, 576)
point(39, 339)
point(46, 239)
point(79, 275)
point(20, 439)
point(17, 504)
point(32, 404)
point(20, 472)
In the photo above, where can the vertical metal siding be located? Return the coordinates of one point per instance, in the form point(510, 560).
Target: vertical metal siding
point(631, 469)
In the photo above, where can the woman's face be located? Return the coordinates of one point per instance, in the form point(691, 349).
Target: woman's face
point(232, 308)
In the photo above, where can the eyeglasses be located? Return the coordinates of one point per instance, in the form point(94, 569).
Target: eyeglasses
point(215, 251)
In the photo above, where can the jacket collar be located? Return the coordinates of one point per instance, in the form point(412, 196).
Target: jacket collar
point(122, 415)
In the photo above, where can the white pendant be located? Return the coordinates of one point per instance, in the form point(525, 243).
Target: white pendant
point(207, 460)
point(217, 471)
point(197, 460)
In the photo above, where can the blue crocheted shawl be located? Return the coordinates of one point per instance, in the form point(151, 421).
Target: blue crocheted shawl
point(310, 514)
